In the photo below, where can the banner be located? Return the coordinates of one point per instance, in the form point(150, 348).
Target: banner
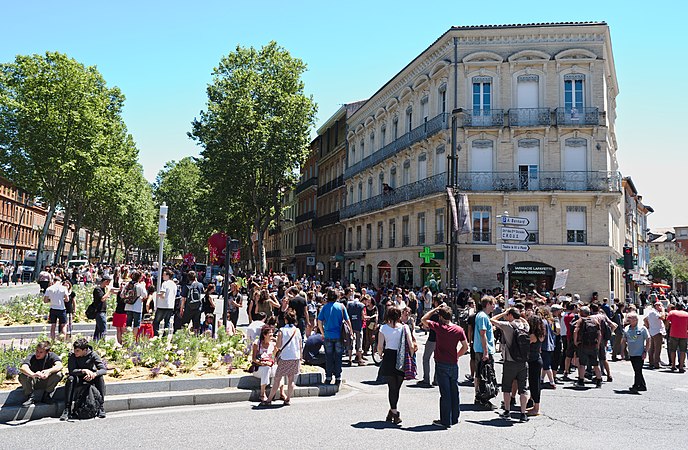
point(560, 279)
point(452, 202)
point(465, 224)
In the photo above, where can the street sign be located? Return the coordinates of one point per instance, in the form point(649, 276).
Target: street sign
point(514, 234)
point(515, 221)
point(515, 247)
point(426, 255)
point(310, 260)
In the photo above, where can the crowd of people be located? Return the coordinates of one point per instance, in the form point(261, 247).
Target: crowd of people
point(542, 337)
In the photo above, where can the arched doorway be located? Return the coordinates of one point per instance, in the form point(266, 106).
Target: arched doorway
point(528, 275)
point(431, 275)
point(405, 274)
point(384, 273)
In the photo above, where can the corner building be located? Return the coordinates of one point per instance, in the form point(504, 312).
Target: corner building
point(535, 107)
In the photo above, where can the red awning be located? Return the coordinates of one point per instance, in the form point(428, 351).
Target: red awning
point(660, 285)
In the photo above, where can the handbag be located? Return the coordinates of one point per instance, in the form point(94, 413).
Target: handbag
point(410, 368)
point(401, 353)
point(279, 352)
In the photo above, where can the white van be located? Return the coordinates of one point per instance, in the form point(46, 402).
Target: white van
point(76, 263)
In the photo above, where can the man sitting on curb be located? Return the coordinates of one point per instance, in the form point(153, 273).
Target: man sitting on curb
point(39, 374)
point(84, 366)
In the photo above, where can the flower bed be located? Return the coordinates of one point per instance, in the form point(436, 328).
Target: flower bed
point(183, 354)
point(30, 309)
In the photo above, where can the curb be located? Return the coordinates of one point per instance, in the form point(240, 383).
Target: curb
point(134, 395)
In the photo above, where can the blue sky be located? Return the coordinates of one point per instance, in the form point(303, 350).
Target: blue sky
point(161, 54)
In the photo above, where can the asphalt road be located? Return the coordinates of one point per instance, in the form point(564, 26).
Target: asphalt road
point(572, 418)
point(8, 292)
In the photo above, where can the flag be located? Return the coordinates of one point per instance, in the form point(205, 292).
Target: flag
point(452, 202)
point(465, 226)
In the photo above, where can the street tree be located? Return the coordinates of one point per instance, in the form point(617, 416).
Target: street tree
point(661, 268)
point(255, 134)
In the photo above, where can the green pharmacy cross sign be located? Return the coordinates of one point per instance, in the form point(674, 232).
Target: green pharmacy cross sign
point(426, 255)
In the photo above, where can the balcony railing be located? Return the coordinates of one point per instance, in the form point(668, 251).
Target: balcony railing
point(392, 242)
point(368, 244)
point(439, 237)
point(424, 131)
point(482, 237)
point(312, 181)
point(327, 219)
point(379, 243)
point(273, 253)
point(533, 237)
point(405, 240)
point(431, 185)
point(578, 116)
point(598, 181)
point(483, 118)
point(305, 248)
point(421, 238)
point(331, 185)
point(578, 237)
point(310, 215)
point(529, 117)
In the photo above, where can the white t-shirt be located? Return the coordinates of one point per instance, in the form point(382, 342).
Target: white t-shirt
point(169, 287)
point(290, 351)
point(253, 330)
point(141, 294)
point(393, 335)
point(56, 293)
point(562, 327)
point(655, 322)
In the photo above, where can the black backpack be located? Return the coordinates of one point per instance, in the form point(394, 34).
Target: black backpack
point(520, 345)
point(87, 401)
point(195, 295)
point(129, 293)
point(488, 388)
point(589, 332)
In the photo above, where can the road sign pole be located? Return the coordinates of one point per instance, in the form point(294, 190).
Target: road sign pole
point(506, 265)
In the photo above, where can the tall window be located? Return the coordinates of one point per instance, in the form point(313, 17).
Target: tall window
point(421, 228)
point(349, 238)
point(380, 234)
point(360, 191)
point(440, 163)
point(395, 128)
point(576, 225)
point(363, 154)
point(482, 95)
point(393, 177)
point(358, 237)
point(573, 91)
point(409, 119)
point(383, 136)
point(405, 237)
point(370, 187)
point(530, 213)
point(481, 223)
point(406, 173)
point(424, 109)
point(392, 233)
point(352, 161)
point(439, 226)
point(351, 195)
point(422, 166)
point(372, 142)
point(369, 236)
point(443, 99)
point(381, 184)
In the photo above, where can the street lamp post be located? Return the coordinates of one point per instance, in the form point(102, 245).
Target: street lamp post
point(162, 231)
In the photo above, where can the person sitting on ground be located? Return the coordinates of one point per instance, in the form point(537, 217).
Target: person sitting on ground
point(39, 374)
point(84, 366)
point(311, 349)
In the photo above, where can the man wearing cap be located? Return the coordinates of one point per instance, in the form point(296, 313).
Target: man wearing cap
point(100, 295)
point(654, 322)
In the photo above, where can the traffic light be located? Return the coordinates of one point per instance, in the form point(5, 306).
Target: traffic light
point(628, 257)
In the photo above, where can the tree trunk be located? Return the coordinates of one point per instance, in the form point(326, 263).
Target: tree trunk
point(90, 244)
point(41, 240)
point(114, 254)
point(100, 237)
point(76, 242)
point(63, 235)
point(109, 248)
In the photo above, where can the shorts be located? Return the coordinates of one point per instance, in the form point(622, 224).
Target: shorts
point(602, 355)
point(133, 319)
point(358, 341)
point(673, 344)
point(570, 350)
point(119, 320)
point(588, 356)
point(479, 356)
point(58, 315)
point(514, 371)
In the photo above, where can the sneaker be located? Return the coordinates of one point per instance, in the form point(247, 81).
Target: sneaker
point(524, 418)
point(29, 401)
point(328, 381)
point(438, 423)
point(609, 379)
point(338, 381)
point(505, 414)
point(673, 368)
point(101, 413)
point(633, 390)
point(598, 382)
point(469, 378)
point(424, 384)
point(65, 415)
point(566, 378)
point(642, 388)
point(579, 383)
point(681, 370)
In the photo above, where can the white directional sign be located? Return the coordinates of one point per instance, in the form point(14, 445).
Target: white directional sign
point(514, 234)
point(515, 221)
point(515, 247)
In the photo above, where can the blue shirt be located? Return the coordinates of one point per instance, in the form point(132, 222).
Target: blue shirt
point(332, 315)
point(635, 339)
point(482, 322)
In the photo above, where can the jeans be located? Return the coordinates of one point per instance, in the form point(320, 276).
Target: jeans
point(656, 342)
point(448, 380)
point(427, 356)
point(101, 324)
point(637, 363)
point(162, 315)
point(333, 358)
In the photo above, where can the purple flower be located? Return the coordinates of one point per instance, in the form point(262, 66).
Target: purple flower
point(177, 363)
point(136, 360)
point(228, 358)
point(11, 371)
point(155, 371)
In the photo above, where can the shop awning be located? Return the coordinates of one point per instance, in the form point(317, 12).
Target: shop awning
point(660, 285)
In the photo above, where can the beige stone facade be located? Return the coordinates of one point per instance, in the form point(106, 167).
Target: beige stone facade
point(535, 111)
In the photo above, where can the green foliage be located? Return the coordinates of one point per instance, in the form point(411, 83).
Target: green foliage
point(679, 261)
point(254, 134)
point(661, 268)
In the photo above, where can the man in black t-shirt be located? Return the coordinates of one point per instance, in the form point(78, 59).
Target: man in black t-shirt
point(100, 295)
point(298, 303)
point(191, 300)
point(39, 374)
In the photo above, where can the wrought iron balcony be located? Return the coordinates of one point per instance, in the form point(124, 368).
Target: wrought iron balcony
point(598, 181)
point(481, 237)
point(273, 253)
point(421, 238)
point(427, 129)
point(439, 237)
point(331, 185)
point(405, 240)
point(529, 117)
point(533, 237)
point(392, 242)
point(310, 215)
point(312, 181)
point(379, 243)
point(327, 219)
point(412, 191)
point(368, 244)
point(578, 237)
point(578, 116)
point(485, 118)
point(305, 248)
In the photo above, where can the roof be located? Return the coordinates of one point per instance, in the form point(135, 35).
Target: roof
point(344, 111)
point(529, 25)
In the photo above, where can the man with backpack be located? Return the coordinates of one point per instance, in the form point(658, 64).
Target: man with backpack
point(587, 336)
point(85, 387)
point(515, 348)
point(190, 306)
point(484, 347)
